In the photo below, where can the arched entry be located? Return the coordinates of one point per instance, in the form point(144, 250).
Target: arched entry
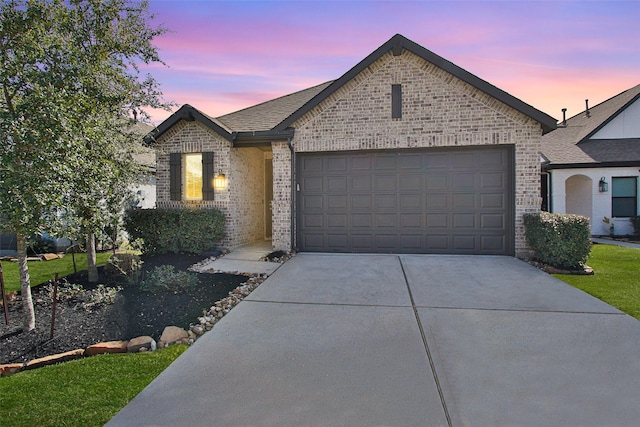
point(579, 195)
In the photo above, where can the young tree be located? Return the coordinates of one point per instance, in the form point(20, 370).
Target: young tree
point(68, 72)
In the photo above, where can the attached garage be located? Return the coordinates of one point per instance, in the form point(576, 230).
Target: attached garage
point(435, 200)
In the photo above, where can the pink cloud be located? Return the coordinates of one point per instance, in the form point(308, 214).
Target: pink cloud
point(224, 56)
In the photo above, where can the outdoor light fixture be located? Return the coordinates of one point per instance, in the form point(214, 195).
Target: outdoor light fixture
point(219, 181)
point(603, 186)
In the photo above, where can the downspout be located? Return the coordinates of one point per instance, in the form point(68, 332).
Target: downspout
point(293, 194)
point(550, 190)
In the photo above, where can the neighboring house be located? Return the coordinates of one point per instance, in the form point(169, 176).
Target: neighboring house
point(405, 153)
point(591, 164)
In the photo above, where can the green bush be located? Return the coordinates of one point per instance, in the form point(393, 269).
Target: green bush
point(559, 240)
point(124, 267)
point(39, 244)
point(635, 221)
point(175, 230)
point(164, 278)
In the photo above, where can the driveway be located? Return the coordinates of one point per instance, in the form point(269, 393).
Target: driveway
point(405, 340)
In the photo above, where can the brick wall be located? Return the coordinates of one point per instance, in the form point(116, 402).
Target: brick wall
point(438, 110)
point(246, 189)
point(281, 205)
point(241, 201)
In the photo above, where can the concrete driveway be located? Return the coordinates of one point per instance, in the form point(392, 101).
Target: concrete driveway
point(405, 340)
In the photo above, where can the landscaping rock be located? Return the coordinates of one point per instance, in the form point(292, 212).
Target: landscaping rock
point(145, 341)
point(56, 358)
point(10, 369)
point(197, 329)
point(107, 347)
point(172, 335)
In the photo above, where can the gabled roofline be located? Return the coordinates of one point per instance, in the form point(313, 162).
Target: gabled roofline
point(190, 114)
point(611, 117)
point(396, 44)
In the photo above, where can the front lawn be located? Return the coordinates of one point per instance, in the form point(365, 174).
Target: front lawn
point(43, 271)
point(616, 280)
point(85, 392)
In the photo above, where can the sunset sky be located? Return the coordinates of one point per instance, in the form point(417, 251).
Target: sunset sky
point(223, 56)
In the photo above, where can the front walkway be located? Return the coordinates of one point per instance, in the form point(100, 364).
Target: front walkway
point(246, 259)
point(404, 340)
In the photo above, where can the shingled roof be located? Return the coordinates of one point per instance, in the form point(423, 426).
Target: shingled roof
point(570, 145)
point(268, 114)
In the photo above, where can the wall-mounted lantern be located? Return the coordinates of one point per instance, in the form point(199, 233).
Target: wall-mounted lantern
point(219, 181)
point(603, 186)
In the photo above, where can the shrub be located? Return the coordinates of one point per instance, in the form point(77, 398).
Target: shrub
point(175, 230)
point(164, 278)
point(40, 244)
point(559, 240)
point(100, 296)
point(66, 292)
point(69, 292)
point(635, 221)
point(124, 267)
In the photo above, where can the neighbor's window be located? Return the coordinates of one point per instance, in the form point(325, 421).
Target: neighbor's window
point(624, 196)
point(193, 176)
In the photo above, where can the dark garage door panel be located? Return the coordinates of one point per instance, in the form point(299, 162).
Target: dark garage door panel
point(454, 200)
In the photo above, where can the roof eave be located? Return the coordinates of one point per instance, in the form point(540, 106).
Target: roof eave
point(619, 164)
point(260, 138)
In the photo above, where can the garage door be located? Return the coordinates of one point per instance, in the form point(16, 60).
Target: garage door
point(453, 201)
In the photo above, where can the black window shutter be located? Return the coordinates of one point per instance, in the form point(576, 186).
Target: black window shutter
point(396, 101)
point(207, 176)
point(175, 176)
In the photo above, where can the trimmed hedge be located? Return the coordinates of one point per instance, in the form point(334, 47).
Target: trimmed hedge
point(559, 240)
point(175, 230)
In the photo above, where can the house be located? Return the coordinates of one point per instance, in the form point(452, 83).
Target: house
point(405, 153)
point(591, 164)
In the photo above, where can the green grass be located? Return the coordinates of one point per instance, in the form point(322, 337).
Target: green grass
point(85, 392)
point(43, 271)
point(616, 280)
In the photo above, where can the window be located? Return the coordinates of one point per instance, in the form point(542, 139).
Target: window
point(191, 176)
point(624, 196)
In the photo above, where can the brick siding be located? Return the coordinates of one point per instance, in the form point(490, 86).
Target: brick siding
point(242, 201)
point(439, 110)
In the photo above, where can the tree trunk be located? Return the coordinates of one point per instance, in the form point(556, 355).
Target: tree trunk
point(25, 284)
point(92, 269)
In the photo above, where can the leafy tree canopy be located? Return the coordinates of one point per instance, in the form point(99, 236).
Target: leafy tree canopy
point(69, 82)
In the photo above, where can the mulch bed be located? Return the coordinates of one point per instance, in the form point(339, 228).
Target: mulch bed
point(133, 313)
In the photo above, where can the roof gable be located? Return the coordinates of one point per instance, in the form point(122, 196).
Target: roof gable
point(571, 143)
point(396, 45)
point(624, 124)
point(270, 120)
point(601, 114)
point(190, 114)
